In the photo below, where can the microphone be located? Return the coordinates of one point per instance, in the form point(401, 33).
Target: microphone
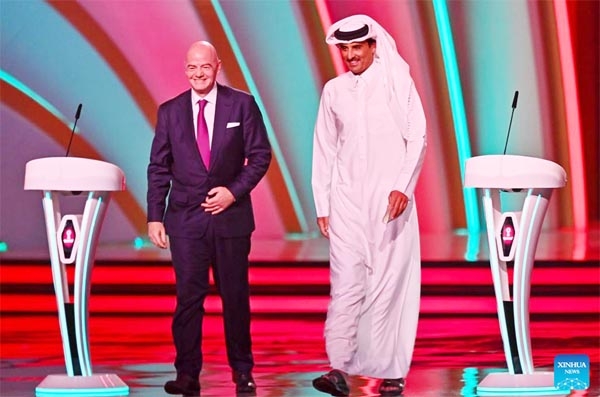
point(514, 106)
point(77, 114)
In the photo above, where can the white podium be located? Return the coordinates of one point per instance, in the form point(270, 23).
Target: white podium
point(72, 238)
point(513, 236)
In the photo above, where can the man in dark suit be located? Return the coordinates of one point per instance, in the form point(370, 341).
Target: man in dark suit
point(208, 216)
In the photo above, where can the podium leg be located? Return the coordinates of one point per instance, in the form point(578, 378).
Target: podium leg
point(73, 316)
point(513, 314)
point(491, 209)
point(52, 214)
point(91, 222)
point(534, 210)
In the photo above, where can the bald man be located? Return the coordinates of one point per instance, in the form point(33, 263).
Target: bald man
point(209, 151)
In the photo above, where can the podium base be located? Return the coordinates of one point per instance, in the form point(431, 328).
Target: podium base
point(507, 384)
point(93, 385)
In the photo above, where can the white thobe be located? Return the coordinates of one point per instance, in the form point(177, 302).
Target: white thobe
point(362, 153)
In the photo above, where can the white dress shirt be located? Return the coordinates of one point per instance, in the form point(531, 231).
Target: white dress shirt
point(209, 111)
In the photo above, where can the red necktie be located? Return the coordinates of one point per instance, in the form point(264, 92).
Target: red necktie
point(202, 137)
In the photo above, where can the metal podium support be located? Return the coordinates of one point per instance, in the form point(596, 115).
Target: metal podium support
point(72, 238)
point(513, 236)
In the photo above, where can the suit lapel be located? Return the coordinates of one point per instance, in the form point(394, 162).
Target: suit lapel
point(187, 127)
point(187, 114)
point(222, 111)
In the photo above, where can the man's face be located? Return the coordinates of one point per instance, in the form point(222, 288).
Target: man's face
point(201, 68)
point(358, 56)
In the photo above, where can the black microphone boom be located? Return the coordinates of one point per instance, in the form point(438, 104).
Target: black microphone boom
point(514, 106)
point(77, 114)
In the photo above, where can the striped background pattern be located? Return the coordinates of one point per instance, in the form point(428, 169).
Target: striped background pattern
point(121, 59)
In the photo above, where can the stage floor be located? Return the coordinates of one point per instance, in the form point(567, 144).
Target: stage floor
point(451, 355)
point(458, 341)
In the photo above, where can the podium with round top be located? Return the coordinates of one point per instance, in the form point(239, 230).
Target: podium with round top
point(72, 238)
point(513, 237)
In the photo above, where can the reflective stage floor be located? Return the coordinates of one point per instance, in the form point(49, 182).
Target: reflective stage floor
point(458, 341)
point(451, 357)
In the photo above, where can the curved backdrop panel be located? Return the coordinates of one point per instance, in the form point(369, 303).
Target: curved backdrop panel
point(121, 59)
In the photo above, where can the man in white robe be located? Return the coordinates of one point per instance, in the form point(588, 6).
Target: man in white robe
point(369, 146)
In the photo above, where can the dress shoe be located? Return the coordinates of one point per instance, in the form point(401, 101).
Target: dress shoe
point(184, 384)
point(391, 387)
point(244, 383)
point(333, 382)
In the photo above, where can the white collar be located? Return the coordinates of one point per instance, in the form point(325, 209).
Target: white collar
point(211, 97)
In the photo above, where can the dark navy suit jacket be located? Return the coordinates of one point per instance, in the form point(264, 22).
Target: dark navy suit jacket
point(240, 157)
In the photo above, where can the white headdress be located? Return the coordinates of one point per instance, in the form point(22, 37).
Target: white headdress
point(358, 28)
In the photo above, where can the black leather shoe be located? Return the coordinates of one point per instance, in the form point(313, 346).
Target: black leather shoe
point(392, 387)
point(244, 383)
point(333, 383)
point(184, 384)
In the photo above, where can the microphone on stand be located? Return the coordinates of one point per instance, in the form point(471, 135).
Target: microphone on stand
point(77, 114)
point(514, 106)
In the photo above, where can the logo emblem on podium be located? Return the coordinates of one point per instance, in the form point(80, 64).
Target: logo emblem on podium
point(67, 238)
point(506, 236)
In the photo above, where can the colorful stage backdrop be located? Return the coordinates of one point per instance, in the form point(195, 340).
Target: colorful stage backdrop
point(122, 58)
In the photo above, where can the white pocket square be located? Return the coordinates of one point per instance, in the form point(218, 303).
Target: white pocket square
point(233, 124)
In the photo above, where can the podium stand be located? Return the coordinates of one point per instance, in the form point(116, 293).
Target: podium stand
point(513, 236)
point(72, 239)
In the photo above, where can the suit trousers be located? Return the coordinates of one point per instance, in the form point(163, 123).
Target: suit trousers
point(192, 259)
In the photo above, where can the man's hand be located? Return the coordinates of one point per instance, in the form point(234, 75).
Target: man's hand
point(157, 234)
point(397, 202)
point(218, 200)
point(323, 223)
